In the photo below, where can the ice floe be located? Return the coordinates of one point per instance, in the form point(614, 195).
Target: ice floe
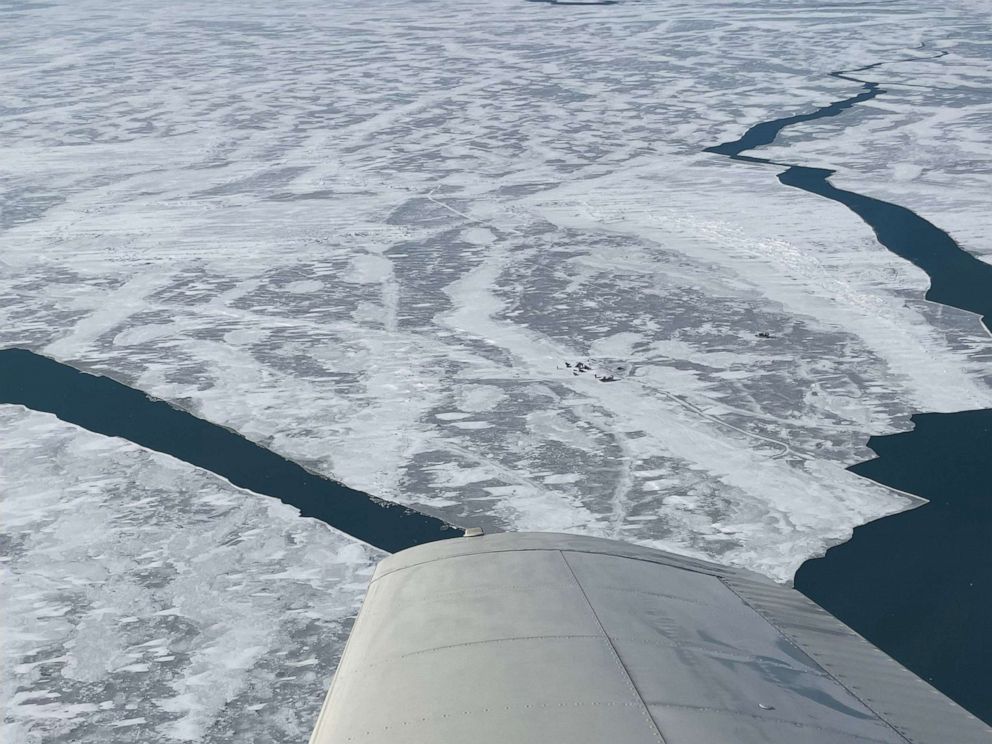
point(141, 592)
point(371, 236)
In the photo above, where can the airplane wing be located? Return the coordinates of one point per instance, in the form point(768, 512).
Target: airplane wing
point(540, 638)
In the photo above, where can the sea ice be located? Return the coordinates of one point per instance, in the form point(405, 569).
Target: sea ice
point(335, 229)
point(372, 237)
point(145, 600)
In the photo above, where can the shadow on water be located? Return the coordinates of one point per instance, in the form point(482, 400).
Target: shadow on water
point(107, 407)
point(916, 584)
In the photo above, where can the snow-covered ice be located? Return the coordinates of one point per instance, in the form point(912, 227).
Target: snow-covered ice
point(145, 600)
point(332, 227)
point(371, 236)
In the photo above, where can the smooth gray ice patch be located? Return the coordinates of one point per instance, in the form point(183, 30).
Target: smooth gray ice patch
point(21, 205)
point(421, 212)
point(258, 184)
point(423, 268)
point(304, 196)
point(195, 375)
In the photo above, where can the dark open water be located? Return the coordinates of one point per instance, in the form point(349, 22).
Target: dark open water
point(919, 584)
point(915, 584)
point(107, 407)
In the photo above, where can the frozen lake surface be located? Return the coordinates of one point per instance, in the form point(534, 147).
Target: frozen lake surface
point(104, 406)
point(147, 601)
point(372, 239)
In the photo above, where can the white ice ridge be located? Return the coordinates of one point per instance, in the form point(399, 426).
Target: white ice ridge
point(373, 236)
point(144, 600)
